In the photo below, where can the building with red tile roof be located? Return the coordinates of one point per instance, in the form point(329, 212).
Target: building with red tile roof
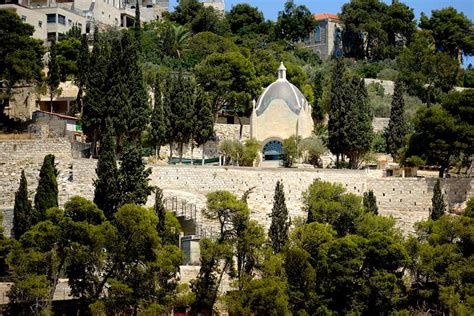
point(326, 38)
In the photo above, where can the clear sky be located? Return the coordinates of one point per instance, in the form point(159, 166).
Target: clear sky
point(270, 8)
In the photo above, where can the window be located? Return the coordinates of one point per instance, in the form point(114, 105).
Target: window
point(51, 37)
point(61, 19)
point(79, 25)
point(40, 23)
point(317, 35)
point(23, 18)
point(51, 18)
point(69, 22)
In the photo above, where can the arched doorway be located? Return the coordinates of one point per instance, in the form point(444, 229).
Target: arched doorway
point(272, 150)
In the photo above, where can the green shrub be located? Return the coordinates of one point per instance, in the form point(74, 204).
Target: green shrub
point(379, 143)
point(314, 148)
point(291, 151)
point(388, 74)
point(250, 152)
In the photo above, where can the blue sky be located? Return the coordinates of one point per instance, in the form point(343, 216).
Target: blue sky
point(270, 8)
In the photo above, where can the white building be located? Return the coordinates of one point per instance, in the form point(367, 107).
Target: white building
point(53, 18)
point(219, 5)
point(280, 112)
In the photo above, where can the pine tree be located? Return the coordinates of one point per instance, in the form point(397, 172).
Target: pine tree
point(438, 207)
point(370, 202)
point(139, 116)
point(106, 193)
point(160, 212)
point(358, 132)
point(204, 126)
point(23, 213)
point(54, 78)
point(47, 192)
point(397, 126)
point(134, 187)
point(158, 122)
point(280, 225)
point(337, 110)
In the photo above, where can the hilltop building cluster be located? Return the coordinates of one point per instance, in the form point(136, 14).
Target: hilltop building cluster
point(52, 19)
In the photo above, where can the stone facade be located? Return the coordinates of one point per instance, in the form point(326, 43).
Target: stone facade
point(406, 199)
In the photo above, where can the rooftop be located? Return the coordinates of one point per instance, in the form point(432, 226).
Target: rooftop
point(324, 16)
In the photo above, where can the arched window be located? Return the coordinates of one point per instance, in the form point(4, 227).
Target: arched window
point(317, 34)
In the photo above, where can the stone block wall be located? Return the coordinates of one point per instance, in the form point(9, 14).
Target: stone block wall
point(407, 199)
point(211, 148)
point(28, 155)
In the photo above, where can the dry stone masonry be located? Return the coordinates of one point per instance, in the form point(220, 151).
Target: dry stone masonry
point(406, 199)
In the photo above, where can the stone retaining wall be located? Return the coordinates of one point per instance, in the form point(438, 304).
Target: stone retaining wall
point(408, 199)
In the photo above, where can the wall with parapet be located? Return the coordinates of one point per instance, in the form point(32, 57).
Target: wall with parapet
point(406, 199)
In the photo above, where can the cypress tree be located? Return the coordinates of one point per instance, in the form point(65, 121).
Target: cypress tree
point(337, 110)
point(94, 111)
point(137, 92)
point(23, 214)
point(54, 78)
point(280, 225)
point(183, 112)
point(134, 187)
point(358, 134)
point(160, 212)
point(118, 102)
point(137, 27)
point(204, 126)
point(169, 93)
point(438, 207)
point(83, 64)
point(158, 122)
point(317, 112)
point(397, 126)
point(47, 192)
point(370, 202)
point(107, 183)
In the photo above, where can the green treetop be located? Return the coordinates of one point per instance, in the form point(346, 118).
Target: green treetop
point(280, 225)
point(21, 56)
point(244, 19)
point(47, 192)
point(453, 32)
point(295, 22)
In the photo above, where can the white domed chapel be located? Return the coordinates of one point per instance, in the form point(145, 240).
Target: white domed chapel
point(280, 112)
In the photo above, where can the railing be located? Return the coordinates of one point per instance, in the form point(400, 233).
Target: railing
point(188, 212)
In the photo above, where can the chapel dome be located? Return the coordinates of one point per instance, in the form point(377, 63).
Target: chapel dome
point(284, 90)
